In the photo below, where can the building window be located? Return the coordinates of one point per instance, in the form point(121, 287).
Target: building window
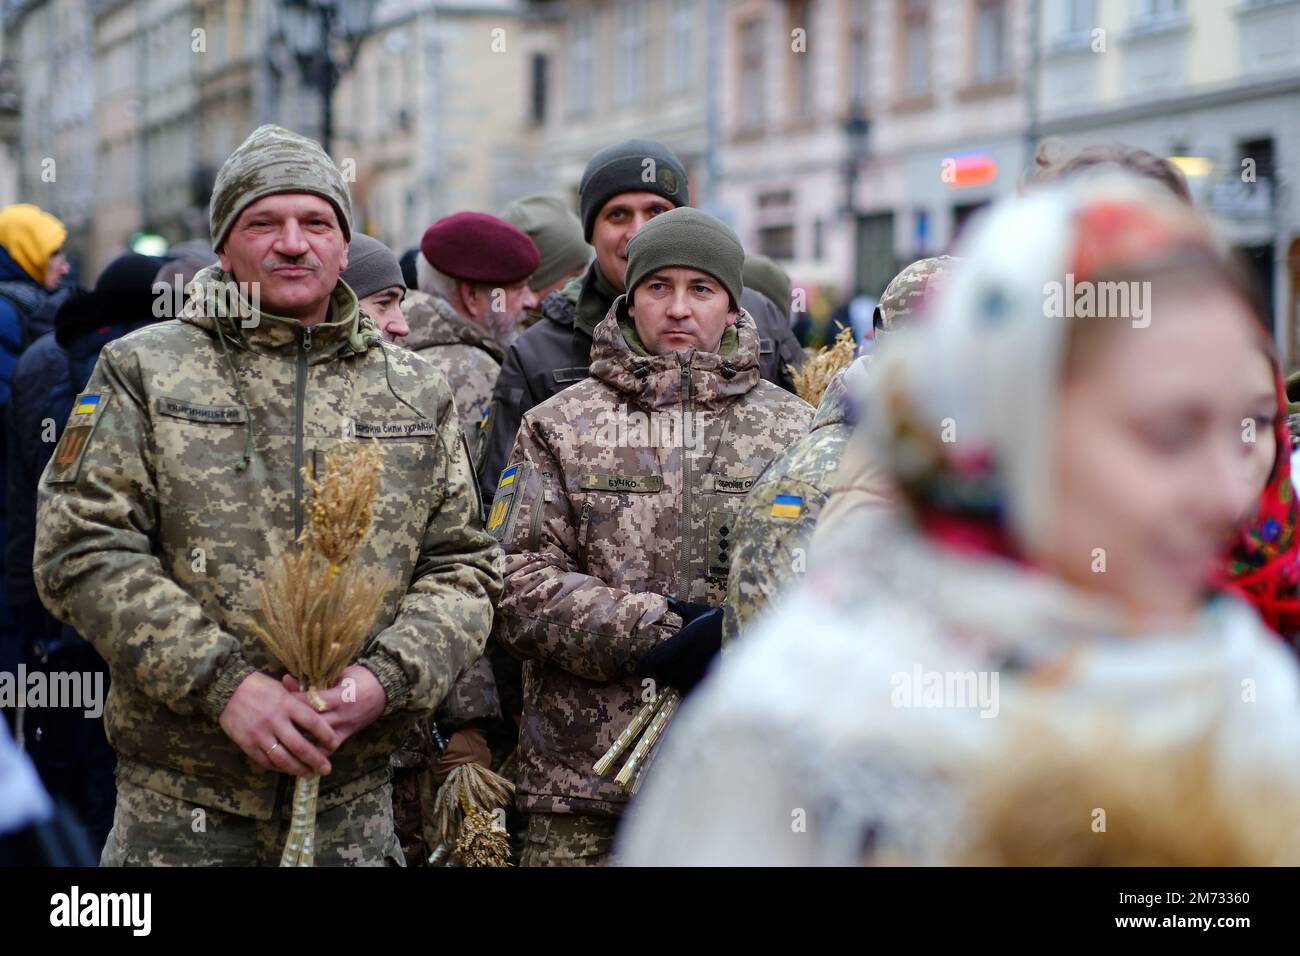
point(631, 42)
point(1080, 18)
point(858, 13)
point(1154, 13)
point(751, 76)
point(681, 33)
point(991, 62)
point(776, 242)
point(916, 47)
point(800, 74)
point(537, 97)
point(581, 53)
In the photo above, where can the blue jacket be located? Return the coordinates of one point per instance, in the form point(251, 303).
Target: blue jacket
point(46, 382)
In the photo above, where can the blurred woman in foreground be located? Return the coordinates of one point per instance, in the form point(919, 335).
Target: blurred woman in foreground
point(1073, 433)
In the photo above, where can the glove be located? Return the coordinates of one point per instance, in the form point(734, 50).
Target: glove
point(682, 661)
point(467, 745)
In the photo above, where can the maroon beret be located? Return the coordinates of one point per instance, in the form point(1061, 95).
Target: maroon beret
point(477, 247)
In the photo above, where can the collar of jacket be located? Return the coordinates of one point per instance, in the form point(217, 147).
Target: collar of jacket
point(433, 321)
point(655, 381)
point(214, 302)
point(595, 298)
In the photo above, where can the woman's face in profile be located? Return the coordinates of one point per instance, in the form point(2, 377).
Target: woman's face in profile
point(1163, 442)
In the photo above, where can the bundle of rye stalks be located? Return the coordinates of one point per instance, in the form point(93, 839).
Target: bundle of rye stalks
point(318, 604)
point(811, 380)
point(645, 730)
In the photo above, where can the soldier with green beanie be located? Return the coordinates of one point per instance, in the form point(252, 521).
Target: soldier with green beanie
point(616, 515)
point(558, 234)
point(180, 479)
point(764, 275)
point(623, 187)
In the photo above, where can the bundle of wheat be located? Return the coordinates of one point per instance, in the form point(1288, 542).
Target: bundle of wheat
point(817, 372)
point(318, 606)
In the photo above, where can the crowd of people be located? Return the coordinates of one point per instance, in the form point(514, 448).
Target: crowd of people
point(1019, 586)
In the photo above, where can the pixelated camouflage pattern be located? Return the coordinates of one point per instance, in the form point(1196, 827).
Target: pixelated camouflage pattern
point(568, 839)
point(467, 355)
point(770, 551)
point(154, 544)
point(589, 571)
point(154, 829)
point(907, 291)
point(275, 160)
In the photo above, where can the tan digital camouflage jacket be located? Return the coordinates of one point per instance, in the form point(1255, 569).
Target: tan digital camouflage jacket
point(780, 512)
point(622, 491)
point(467, 355)
point(179, 479)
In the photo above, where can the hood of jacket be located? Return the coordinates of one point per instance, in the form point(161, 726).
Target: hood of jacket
point(658, 381)
point(434, 322)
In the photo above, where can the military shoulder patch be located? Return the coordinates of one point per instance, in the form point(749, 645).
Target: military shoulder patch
point(86, 412)
point(787, 506)
point(505, 504)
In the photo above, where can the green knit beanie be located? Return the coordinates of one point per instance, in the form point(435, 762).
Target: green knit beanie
point(556, 232)
point(691, 239)
point(274, 160)
point(763, 275)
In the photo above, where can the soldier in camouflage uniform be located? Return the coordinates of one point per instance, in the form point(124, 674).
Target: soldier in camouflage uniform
point(473, 271)
point(616, 512)
point(180, 479)
point(776, 526)
point(623, 187)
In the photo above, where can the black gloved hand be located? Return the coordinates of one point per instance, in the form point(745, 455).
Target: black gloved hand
point(689, 610)
point(682, 661)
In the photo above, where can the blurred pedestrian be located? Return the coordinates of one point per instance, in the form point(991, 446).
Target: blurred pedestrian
point(68, 747)
point(32, 267)
point(1069, 479)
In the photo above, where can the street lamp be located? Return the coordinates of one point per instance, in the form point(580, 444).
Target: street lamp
point(324, 37)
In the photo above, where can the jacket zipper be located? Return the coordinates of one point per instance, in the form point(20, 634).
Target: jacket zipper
point(300, 399)
point(686, 518)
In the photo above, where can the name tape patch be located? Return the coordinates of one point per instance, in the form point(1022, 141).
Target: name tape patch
point(190, 412)
point(402, 428)
point(733, 486)
point(633, 483)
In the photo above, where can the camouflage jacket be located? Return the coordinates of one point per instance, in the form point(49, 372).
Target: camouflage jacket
point(622, 491)
point(180, 478)
point(778, 516)
point(467, 355)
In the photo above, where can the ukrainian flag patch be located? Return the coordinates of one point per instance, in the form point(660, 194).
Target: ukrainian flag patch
point(787, 506)
point(87, 404)
point(505, 504)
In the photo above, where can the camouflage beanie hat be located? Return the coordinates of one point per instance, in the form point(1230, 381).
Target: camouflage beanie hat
point(691, 239)
point(275, 160)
